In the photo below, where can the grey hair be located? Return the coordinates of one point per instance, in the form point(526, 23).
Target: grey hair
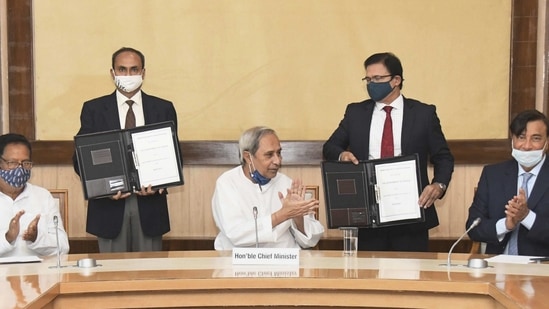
point(249, 140)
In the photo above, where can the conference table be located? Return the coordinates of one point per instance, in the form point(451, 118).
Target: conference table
point(175, 279)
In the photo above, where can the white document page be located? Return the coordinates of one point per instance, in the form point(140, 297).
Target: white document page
point(20, 259)
point(397, 188)
point(512, 259)
point(155, 157)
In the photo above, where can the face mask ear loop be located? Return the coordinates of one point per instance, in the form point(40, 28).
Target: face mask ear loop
point(251, 164)
point(250, 168)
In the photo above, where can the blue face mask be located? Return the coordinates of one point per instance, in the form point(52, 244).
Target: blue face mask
point(16, 177)
point(260, 179)
point(379, 91)
point(256, 176)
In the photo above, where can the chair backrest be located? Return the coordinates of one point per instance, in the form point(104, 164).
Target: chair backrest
point(62, 198)
point(475, 247)
point(312, 192)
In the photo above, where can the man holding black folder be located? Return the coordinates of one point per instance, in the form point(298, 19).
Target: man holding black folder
point(389, 125)
point(133, 221)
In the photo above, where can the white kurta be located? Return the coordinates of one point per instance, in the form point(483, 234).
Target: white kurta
point(34, 200)
point(232, 205)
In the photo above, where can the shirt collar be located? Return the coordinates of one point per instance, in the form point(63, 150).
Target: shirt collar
point(121, 99)
point(535, 170)
point(397, 104)
point(23, 194)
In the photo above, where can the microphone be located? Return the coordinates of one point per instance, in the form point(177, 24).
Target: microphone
point(56, 222)
point(475, 223)
point(256, 235)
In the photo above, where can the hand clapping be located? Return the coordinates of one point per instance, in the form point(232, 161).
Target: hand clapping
point(516, 210)
point(30, 233)
point(294, 203)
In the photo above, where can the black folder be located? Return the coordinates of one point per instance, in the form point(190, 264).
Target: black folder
point(374, 193)
point(125, 160)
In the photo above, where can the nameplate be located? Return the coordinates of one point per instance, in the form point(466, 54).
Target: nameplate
point(265, 271)
point(266, 256)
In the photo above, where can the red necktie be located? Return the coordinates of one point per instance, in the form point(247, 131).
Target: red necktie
point(387, 147)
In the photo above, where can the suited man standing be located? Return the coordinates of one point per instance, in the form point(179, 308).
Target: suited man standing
point(128, 222)
point(389, 125)
point(512, 197)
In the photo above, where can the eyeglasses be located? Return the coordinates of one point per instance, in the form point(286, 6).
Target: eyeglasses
point(375, 79)
point(27, 164)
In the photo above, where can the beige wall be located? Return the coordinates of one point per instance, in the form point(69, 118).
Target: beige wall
point(190, 208)
point(292, 65)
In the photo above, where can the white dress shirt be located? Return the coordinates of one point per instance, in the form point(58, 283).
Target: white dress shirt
point(123, 108)
point(378, 122)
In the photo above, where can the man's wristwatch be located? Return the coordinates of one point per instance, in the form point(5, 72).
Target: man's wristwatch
point(441, 185)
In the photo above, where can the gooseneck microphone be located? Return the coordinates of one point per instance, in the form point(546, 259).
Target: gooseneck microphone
point(56, 223)
point(256, 235)
point(473, 225)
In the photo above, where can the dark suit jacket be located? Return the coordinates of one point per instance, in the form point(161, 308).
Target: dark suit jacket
point(105, 215)
point(421, 134)
point(497, 185)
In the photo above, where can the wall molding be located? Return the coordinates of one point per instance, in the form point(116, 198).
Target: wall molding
point(293, 152)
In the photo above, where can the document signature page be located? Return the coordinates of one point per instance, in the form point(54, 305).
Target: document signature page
point(398, 191)
point(156, 157)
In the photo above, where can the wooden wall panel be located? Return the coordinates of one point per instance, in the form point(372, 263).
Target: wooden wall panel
point(190, 205)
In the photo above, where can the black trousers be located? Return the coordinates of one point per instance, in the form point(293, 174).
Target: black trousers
point(393, 238)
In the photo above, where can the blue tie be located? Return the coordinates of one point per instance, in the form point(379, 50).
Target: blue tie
point(513, 244)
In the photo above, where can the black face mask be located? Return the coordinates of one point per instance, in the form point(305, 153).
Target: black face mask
point(379, 91)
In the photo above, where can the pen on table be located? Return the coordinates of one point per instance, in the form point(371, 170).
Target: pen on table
point(540, 259)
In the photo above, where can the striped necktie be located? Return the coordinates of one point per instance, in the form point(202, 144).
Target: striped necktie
point(513, 241)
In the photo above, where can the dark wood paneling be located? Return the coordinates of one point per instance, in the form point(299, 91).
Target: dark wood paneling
point(525, 8)
point(21, 100)
point(293, 153)
point(20, 68)
point(52, 152)
point(523, 56)
point(480, 151)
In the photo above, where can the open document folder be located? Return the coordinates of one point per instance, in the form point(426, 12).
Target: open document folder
point(373, 193)
point(125, 160)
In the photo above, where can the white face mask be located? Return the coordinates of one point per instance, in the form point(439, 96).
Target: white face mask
point(128, 83)
point(528, 158)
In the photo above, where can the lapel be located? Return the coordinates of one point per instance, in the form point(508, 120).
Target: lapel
point(149, 112)
point(408, 119)
point(511, 172)
point(541, 186)
point(369, 109)
point(110, 113)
